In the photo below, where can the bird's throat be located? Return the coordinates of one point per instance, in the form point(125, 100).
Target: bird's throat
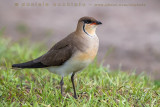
point(90, 31)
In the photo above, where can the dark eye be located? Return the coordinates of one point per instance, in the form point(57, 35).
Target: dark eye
point(87, 21)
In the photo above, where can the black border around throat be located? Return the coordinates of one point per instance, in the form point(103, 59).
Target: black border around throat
point(85, 30)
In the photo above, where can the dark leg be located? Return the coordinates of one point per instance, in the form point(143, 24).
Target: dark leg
point(72, 79)
point(61, 84)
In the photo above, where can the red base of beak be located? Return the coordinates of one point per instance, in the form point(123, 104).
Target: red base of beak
point(93, 24)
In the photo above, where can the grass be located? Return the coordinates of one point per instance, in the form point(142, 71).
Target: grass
point(96, 86)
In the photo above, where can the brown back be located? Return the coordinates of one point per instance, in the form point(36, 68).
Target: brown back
point(62, 51)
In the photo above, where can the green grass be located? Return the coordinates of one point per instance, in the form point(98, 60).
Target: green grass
point(96, 86)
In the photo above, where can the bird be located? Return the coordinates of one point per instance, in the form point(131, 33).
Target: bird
point(71, 54)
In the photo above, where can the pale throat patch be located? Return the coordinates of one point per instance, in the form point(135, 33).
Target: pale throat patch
point(90, 30)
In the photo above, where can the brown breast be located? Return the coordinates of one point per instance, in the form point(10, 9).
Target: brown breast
point(88, 55)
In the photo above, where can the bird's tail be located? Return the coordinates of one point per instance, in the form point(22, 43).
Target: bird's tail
point(30, 64)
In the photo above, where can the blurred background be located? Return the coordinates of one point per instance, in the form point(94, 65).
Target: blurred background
point(129, 36)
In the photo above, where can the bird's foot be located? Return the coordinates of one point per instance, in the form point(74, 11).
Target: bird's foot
point(75, 96)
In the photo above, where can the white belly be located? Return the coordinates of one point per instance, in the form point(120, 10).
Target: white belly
point(69, 67)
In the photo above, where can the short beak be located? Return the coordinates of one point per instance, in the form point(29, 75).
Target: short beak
point(98, 22)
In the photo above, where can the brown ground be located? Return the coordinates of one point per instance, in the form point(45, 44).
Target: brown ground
point(130, 36)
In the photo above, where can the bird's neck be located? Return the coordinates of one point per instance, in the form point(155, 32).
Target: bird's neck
point(86, 29)
point(90, 31)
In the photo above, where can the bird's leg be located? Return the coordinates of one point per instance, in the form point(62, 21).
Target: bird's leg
point(72, 79)
point(61, 84)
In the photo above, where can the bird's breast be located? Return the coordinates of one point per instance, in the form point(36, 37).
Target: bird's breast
point(87, 55)
point(90, 50)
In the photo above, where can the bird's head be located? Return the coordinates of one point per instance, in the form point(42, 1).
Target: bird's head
point(88, 25)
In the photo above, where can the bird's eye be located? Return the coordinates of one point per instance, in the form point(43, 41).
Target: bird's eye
point(87, 21)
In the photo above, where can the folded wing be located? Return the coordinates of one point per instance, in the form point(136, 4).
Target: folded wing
point(56, 56)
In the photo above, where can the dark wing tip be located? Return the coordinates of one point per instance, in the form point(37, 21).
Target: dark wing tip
point(29, 64)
